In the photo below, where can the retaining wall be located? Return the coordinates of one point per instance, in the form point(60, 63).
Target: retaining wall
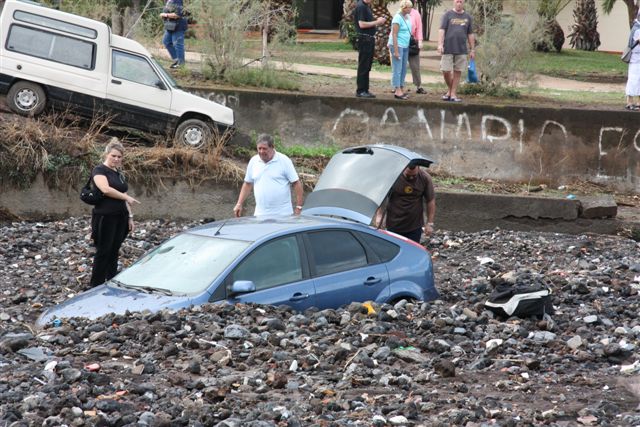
point(481, 141)
point(505, 143)
point(215, 200)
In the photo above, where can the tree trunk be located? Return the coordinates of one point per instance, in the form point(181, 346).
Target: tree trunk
point(632, 10)
point(265, 41)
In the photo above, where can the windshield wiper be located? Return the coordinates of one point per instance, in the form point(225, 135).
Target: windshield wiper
point(147, 289)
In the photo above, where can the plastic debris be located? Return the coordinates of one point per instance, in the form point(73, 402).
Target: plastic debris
point(92, 367)
point(369, 307)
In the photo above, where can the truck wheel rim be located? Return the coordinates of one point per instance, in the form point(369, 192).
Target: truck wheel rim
point(26, 100)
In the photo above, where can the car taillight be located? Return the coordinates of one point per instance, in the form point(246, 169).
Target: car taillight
point(404, 239)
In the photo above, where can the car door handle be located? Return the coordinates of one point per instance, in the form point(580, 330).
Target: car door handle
point(298, 297)
point(116, 82)
point(372, 281)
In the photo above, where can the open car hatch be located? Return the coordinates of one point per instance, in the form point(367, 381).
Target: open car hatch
point(357, 180)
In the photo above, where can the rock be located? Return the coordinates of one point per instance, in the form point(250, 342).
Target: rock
point(603, 206)
point(236, 332)
point(445, 368)
point(574, 342)
point(445, 362)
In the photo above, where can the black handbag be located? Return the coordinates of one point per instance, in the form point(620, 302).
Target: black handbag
point(413, 46)
point(90, 194)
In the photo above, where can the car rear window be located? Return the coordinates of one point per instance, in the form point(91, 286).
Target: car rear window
point(334, 251)
point(385, 250)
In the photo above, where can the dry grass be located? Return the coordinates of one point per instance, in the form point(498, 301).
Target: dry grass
point(64, 152)
point(52, 146)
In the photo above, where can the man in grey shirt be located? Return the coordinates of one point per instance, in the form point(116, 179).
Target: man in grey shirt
point(454, 34)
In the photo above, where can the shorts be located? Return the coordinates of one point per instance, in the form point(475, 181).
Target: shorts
point(451, 62)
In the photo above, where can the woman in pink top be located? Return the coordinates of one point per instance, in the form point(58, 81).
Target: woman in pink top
point(414, 60)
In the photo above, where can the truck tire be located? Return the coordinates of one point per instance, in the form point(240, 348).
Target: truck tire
point(26, 98)
point(193, 133)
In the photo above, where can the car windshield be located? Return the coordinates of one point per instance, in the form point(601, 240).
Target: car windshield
point(185, 264)
point(166, 75)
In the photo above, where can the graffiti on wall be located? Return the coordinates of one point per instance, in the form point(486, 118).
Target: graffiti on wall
point(548, 147)
point(231, 100)
point(612, 142)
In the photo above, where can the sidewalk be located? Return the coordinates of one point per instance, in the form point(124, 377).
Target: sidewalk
point(429, 61)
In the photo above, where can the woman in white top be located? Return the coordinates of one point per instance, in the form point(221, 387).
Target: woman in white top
point(633, 77)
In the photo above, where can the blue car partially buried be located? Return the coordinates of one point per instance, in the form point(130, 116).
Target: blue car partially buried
point(326, 257)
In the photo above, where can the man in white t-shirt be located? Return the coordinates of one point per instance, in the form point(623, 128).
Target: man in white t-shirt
point(271, 175)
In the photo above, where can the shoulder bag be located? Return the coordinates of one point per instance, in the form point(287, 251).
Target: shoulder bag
point(90, 194)
point(413, 46)
point(626, 53)
point(413, 43)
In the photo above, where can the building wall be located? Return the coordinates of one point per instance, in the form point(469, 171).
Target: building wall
point(613, 28)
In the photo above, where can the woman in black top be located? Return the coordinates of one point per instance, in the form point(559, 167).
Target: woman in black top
point(111, 219)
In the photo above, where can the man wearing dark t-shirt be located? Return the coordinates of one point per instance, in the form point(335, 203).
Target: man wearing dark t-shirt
point(366, 40)
point(405, 213)
point(456, 30)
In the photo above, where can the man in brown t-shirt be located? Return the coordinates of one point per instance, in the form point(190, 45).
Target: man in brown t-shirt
point(405, 213)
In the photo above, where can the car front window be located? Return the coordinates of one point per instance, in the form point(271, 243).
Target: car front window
point(185, 264)
point(273, 264)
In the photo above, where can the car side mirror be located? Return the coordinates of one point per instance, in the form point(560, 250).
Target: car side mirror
point(243, 287)
point(160, 85)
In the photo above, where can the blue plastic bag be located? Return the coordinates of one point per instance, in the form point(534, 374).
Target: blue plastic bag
point(472, 74)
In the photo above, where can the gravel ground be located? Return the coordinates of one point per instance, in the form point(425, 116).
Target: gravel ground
point(448, 362)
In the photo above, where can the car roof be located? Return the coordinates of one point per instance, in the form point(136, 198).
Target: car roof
point(253, 228)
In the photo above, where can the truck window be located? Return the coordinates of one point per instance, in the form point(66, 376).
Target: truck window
point(133, 68)
point(54, 24)
point(51, 46)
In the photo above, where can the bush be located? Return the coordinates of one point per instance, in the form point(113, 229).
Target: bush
point(504, 48)
point(225, 25)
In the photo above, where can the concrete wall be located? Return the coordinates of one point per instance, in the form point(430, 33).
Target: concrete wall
point(521, 144)
point(215, 200)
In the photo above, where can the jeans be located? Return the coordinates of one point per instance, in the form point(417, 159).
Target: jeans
point(366, 48)
point(174, 42)
point(399, 66)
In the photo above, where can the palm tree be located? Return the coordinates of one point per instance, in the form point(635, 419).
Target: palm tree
point(548, 11)
point(585, 34)
point(632, 8)
point(379, 8)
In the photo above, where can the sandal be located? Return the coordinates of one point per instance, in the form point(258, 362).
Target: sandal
point(636, 108)
point(446, 97)
point(421, 91)
point(455, 99)
point(403, 96)
point(628, 107)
